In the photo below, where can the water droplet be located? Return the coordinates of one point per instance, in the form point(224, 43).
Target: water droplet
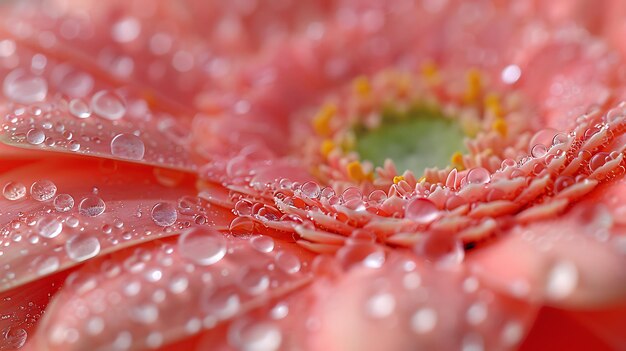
point(35, 136)
point(94, 326)
point(164, 214)
point(424, 320)
point(48, 265)
point(107, 104)
point(310, 190)
point(126, 30)
point(421, 210)
point(63, 202)
point(202, 246)
point(364, 254)
point(262, 243)
point(512, 333)
point(146, 313)
point(539, 150)
point(476, 313)
point(477, 175)
point(79, 108)
point(14, 338)
point(288, 262)
point(562, 280)
point(221, 304)
point(263, 336)
point(511, 74)
point(49, 227)
point(24, 87)
point(178, 283)
point(128, 146)
point(91, 206)
point(254, 281)
point(43, 190)
point(73, 145)
point(442, 249)
point(14, 191)
point(380, 305)
point(82, 247)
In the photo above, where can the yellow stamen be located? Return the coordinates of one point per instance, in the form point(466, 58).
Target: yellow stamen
point(431, 73)
point(422, 179)
point(361, 86)
point(321, 121)
point(355, 171)
point(492, 104)
point(397, 179)
point(326, 147)
point(474, 86)
point(457, 161)
point(500, 126)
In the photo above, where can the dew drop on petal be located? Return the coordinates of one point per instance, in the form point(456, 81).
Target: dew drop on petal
point(91, 206)
point(262, 243)
point(364, 254)
point(254, 281)
point(421, 210)
point(14, 338)
point(263, 336)
point(477, 175)
point(288, 262)
point(310, 190)
point(441, 249)
point(48, 265)
point(539, 150)
point(511, 74)
point(14, 191)
point(82, 247)
point(424, 320)
point(126, 30)
point(108, 105)
point(24, 88)
point(562, 280)
point(164, 214)
point(512, 333)
point(35, 136)
point(128, 146)
point(49, 227)
point(43, 190)
point(63, 202)
point(202, 246)
point(79, 108)
point(380, 305)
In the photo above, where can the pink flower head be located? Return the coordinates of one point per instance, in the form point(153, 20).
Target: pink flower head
point(331, 175)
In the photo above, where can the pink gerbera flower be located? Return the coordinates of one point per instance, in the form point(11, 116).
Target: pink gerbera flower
point(309, 176)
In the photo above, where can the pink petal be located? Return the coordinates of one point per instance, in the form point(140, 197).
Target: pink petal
point(42, 237)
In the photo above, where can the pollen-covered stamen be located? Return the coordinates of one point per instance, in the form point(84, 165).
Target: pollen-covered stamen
point(401, 122)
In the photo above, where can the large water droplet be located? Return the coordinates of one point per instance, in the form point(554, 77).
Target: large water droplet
point(82, 247)
point(13, 338)
point(424, 320)
point(35, 136)
point(262, 243)
point(164, 214)
point(91, 206)
point(63, 202)
point(43, 190)
point(14, 191)
point(49, 227)
point(202, 246)
point(79, 108)
point(288, 262)
point(48, 265)
point(442, 249)
point(310, 190)
point(421, 210)
point(24, 88)
point(477, 175)
point(264, 336)
point(380, 305)
point(360, 253)
point(126, 30)
point(254, 281)
point(562, 280)
point(108, 105)
point(128, 146)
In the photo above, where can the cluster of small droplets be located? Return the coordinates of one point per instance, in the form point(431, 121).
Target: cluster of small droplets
point(225, 277)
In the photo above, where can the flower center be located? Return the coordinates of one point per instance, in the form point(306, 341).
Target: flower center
point(417, 139)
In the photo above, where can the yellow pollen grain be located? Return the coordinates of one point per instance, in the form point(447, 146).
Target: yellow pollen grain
point(326, 147)
point(397, 179)
point(431, 73)
point(321, 121)
point(500, 126)
point(457, 161)
point(474, 86)
point(493, 105)
point(355, 171)
point(361, 86)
